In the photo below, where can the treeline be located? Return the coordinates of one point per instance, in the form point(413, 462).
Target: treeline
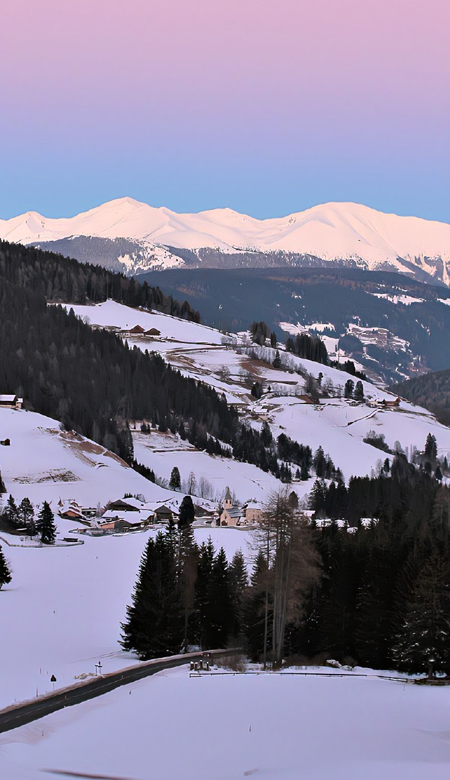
point(384, 596)
point(184, 595)
point(62, 279)
point(92, 382)
point(308, 347)
point(378, 596)
point(430, 390)
point(304, 345)
point(398, 485)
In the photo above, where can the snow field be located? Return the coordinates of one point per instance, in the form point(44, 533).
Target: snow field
point(62, 611)
point(244, 479)
point(277, 727)
point(46, 464)
point(330, 230)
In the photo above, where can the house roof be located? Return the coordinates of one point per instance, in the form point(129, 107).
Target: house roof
point(8, 399)
point(136, 329)
point(134, 518)
point(234, 512)
point(133, 504)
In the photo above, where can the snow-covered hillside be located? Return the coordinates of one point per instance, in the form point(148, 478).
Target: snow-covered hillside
point(47, 464)
point(276, 727)
point(344, 231)
point(63, 609)
point(336, 423)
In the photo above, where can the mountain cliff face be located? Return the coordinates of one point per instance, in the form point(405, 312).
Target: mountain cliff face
point(130, 236)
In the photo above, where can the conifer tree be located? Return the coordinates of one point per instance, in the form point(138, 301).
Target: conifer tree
point(204, 569)
point(255, 608)
point(423, 641)
point(238, 580)
point(2, 485)
point(277, 360)
point(359, 391)
point(5, 571)
point(431, 447)
point(175, 479)
point(154, 625)
point(219, 608)
point(45, 524)
point(11, 512)
point(26, 516)
point(348, 389)
point(187, 554)
point(187, 513)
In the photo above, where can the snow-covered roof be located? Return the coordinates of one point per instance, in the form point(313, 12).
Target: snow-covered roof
point(234, 511)
point(8, 399)
point(131, 517)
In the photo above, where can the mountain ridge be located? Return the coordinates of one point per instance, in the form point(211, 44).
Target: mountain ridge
point(338, 231)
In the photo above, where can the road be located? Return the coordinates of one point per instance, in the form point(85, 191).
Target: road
point(20, 714)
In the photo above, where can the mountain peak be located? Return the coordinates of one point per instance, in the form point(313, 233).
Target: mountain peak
point(334, 231)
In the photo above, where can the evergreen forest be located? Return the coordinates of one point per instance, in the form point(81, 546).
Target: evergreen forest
point(375, 594)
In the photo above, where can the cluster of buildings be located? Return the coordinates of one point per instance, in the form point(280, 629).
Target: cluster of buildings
point(137, 331)
point(124, 514)
point(234, 515)
point(134, 514)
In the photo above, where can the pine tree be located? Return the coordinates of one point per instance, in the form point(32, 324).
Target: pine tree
point(2, 485)
point(238, 581)
point(204, 569)
point(175, 479)
point(11, 513)
point(26, 516)
point(187, 553)
point(423, 641)
point(431, 447)
point(45, 524)
point(255, 608)
point(154, 625)
point(187, 513)
point(348, 389)
point(277, 360)
point(5, 571)
point(219, 609)
point(359, 391)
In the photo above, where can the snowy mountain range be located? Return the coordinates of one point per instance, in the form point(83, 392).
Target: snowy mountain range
point(133, 237)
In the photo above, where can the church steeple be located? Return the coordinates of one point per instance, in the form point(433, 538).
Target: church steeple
point(228, 501)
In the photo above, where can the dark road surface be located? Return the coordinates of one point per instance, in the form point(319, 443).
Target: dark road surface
point(20, 714)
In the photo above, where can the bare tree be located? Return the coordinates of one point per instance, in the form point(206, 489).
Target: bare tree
point(292, 567)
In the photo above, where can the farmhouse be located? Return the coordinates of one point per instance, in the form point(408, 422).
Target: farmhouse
point(137, 330)
point(10, 402)
point(116, 520)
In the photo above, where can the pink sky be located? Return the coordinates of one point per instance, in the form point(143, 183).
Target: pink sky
point(276, 81)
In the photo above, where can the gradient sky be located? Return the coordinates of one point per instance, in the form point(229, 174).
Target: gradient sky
point(265, 106)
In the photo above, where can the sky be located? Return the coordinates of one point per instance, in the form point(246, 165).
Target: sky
point(265, 106)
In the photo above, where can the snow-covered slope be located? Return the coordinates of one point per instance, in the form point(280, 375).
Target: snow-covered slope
point(336, 423)
point(332, 231)
point(47, 464)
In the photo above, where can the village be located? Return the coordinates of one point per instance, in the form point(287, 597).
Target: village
point(133, 513)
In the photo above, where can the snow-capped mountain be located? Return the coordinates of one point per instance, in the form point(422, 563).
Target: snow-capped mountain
point(136, 237)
